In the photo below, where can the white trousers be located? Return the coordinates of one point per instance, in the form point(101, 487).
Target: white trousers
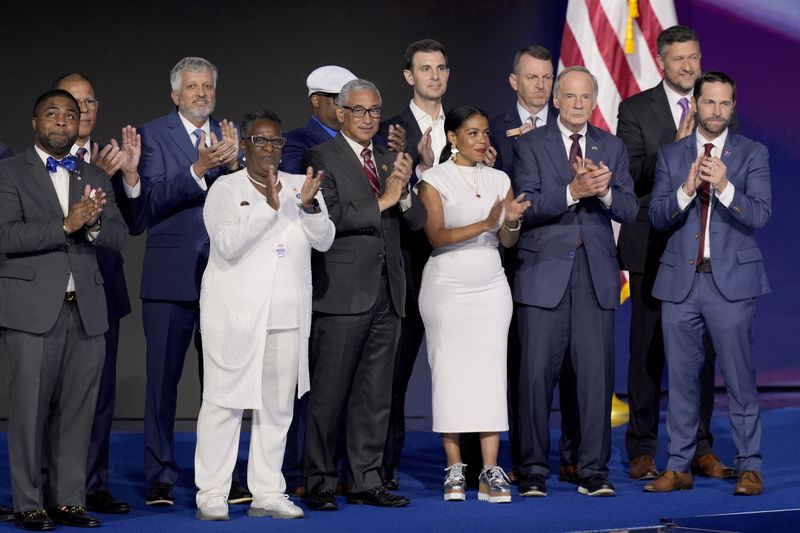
point(218, 428)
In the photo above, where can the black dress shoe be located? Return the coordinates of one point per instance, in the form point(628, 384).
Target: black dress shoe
point(379, 497)
point(73, 516)
point(6, 514)
point(160, 494)
point(104, 503)
point(34, 520)
point(239, 494)
point(533, 485)
point(596, 485)
point(321, 500)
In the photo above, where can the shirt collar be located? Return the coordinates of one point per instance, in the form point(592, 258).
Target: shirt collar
point(524, 114)
point(421, 115)
point(672, 96)
point(329, 131)
point(357, 148)
point(206, 127)
point(567, 132)
point(719, 142)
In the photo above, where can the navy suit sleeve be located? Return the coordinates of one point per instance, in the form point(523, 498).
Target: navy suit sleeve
point(624, 204)
point(165, 194)
point(664, 209)
point(546, 203)
point(752, 204)
point(133, 210)
point(292, 154)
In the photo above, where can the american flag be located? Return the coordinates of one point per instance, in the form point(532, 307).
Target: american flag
point(616, 41)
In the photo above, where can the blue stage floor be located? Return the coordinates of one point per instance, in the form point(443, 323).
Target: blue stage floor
point(563, 510)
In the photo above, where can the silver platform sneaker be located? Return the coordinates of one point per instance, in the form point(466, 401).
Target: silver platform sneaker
point(455, 486)
point(493, 485)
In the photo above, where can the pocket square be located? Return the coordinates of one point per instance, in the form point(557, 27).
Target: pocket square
point(244, 202)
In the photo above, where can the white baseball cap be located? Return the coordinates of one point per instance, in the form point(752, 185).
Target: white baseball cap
point(328, 79)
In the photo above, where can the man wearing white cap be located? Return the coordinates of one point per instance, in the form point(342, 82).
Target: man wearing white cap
point(323, 84)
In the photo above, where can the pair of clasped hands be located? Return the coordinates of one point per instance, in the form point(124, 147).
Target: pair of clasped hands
point(706, 168)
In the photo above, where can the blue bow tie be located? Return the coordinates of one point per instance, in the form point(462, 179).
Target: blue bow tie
point(68, 163)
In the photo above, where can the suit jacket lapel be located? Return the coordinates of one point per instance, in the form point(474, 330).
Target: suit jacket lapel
point(351, 160)
point(555, 149)
point(42, 178)
point(181, 139)
point(76, 184)
point(659, 105)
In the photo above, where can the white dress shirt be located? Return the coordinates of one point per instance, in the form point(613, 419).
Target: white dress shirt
point(206, 127)
point(674, 107)
point(130, 192)
point(404, 203)
point(725, 197)
point(540, 118)
point(565, 138)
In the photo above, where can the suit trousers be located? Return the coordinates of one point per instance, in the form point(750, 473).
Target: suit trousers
point(168, 329)
point(645, 370)
point(351, 364)
point(218, 428)
point(53, 381)
point(730, 327)
point(583, 331)
point(97, 460)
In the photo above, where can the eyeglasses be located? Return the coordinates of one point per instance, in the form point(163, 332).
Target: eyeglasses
point(91, 103)
point(359, 111)
point(260, 140)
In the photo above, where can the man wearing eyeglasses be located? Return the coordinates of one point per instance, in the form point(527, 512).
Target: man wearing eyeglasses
point(359, 297)
point(183, 153)
point(118, 161)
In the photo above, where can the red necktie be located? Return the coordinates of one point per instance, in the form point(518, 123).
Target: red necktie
point(574, 153)
point(371, 171)
point(704, 193)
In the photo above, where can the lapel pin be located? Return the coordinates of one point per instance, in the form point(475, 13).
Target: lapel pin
point(244, 202)
point(595, 149)
point(384, 167)
point(726, 153)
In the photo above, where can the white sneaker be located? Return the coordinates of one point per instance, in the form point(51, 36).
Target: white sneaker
point(276, 506)
point(214, 508)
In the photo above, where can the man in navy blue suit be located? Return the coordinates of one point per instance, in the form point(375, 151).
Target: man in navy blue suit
point(119, 162)
point(531, 79)
point(712, 192)
point(566, 284)
point(183, 153)
point(324, 84)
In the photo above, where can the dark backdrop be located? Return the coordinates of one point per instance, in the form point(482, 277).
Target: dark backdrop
point(264, 51)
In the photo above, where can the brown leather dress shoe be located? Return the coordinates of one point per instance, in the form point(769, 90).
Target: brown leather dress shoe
point(709, 465)
point(642, 468)
point(568, 474)
point(749, 484)
point(670, 480)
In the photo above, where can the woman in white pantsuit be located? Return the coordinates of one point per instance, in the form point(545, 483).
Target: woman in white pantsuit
point(465, 301)
point(255, 315)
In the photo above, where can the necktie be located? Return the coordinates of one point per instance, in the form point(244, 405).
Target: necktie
point(574, 153)
point(704, 193)
point(684, 103)
point(81, 153)
point(199, 134)
point(68, 163)
point(371, 171)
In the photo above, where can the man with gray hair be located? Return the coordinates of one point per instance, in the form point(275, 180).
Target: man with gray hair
point(183, 153)
point(359, 297)
point(566, 285)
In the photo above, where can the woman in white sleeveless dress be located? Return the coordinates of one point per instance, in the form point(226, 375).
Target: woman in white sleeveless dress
point(465, 301)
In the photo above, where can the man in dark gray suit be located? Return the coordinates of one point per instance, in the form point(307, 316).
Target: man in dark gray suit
point(359, 297)
point(54, 212)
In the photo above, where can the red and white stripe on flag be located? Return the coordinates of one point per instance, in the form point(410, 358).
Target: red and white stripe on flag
point(595, 36)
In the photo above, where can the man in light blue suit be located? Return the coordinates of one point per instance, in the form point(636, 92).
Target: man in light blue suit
point(712, 191)
point(566, 285)
point(183, 153)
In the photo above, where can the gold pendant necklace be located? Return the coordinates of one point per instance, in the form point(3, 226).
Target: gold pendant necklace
point(475, 182)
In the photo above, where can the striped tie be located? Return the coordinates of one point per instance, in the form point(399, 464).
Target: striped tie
point(371, 171)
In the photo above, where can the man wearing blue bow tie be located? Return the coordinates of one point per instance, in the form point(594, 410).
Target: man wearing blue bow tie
point(54, 214)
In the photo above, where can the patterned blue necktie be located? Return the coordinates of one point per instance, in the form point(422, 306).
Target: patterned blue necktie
point(198, 133)
point(68, 163)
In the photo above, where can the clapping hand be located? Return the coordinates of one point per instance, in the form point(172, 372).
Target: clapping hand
point(311, 186)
